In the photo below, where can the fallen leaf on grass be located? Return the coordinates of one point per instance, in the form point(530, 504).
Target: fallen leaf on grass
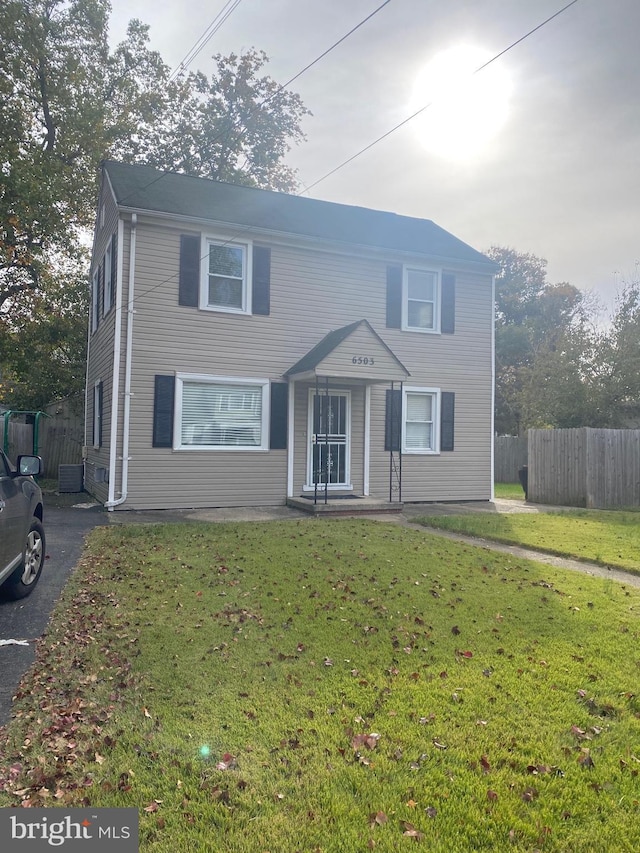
point(411, 832)
point(491, 795)
point(370, 741)
point(585, 760)
point(226, 762)
point(153, 806)
point(377, 819)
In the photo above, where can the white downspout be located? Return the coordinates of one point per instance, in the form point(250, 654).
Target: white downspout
point(113, 502)
point(367, 439)
point(290, 436)
point(493, 384)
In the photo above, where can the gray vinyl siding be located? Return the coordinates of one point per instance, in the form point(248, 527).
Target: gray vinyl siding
point(100, 356)
point(461, 363)
point(312, 292)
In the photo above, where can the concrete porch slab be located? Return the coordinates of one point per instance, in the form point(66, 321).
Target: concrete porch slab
point(344, 506)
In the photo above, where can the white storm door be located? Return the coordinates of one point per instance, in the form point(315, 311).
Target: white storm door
point(329, 450)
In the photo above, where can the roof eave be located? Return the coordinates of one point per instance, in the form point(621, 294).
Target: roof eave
point(488, 267)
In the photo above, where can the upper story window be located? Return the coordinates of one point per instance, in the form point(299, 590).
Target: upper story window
point(421, 297)
point(225, 275)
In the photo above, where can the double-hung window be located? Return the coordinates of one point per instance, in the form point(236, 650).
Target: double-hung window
point(420, 421)
point(421, 299)
point(220, 413)
point(224, 276)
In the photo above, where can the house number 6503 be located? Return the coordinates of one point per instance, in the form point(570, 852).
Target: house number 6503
point(362, 359)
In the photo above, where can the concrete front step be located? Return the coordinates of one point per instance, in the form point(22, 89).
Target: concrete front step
point(344, 505)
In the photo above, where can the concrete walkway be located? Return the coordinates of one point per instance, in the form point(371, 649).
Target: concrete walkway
point(406, 518)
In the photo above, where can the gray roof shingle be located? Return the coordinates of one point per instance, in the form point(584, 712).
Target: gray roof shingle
point(145, 188)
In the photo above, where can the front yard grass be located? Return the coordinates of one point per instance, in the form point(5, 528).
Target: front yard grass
point(334, 686)
point(608, 538)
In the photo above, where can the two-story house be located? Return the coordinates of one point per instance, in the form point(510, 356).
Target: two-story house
point(253, 348)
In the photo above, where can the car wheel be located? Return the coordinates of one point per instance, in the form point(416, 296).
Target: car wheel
point(22, 582)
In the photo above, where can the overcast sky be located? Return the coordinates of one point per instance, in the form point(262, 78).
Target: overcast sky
point(540, 151)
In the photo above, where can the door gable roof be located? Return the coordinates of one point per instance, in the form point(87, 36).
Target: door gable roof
point(355, 351)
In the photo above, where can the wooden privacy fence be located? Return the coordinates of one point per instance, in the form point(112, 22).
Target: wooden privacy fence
point(510, 454)
point(593, 468)
point(60, 439)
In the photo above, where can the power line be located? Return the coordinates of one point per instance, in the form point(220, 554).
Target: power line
point(284, 85)
point(426, 106)
point(327, 51)
point(375, 141)
point(211, 30)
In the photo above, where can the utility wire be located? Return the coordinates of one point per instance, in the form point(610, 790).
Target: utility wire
point(375, 142)
point(279, 89)
point(426, 106)
point(206, 37)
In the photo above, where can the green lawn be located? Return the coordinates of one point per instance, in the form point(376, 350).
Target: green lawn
point(609, 538)
point(510, 491)
point(334, 686)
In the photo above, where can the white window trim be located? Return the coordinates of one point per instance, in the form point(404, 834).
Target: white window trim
point(437, 308)
point(436, 394)
point(246, 246)
point(181, 378)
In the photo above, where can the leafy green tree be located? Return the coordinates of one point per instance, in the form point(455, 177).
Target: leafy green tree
point(619, 355)
point(544, 347)
point(43, 342)
point(67, 102)
point(236, 126)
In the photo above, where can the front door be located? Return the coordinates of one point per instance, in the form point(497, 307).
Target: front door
point(328, 457)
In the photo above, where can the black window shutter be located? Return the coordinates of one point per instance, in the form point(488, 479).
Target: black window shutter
point(448, 317)
point(278, 416)
point(261, 284)
point(393, 420)
point(100, 306)
point(189, 284)
point(394, 296)
point(114, 265)
point(100, 411)
point(163, 411)
point(447, 406)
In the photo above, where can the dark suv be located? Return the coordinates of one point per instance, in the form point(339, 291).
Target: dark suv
point(22, 540)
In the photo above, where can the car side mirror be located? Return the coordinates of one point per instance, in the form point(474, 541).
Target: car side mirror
point(29, 466)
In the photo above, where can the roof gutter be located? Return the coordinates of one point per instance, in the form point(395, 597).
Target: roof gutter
point(117, 356)
point(332, 243)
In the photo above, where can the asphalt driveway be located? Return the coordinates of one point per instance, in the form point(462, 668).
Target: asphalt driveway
point(26, 620)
